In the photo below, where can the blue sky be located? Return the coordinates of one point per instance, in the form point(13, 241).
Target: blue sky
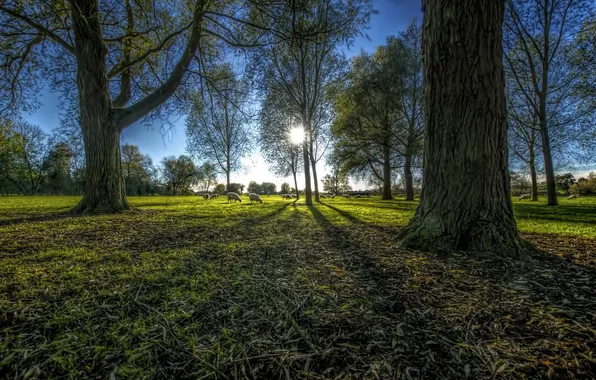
point(393, 17)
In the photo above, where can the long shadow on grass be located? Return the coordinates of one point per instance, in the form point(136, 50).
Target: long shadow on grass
point(43, 218)
point(187, 236)
point(371, 273)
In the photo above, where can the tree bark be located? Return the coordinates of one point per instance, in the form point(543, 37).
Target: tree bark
point(314, 176)
point(104, 187)
point(306, 158)
point(387, 173)
point(551, 186)
point(408, 175)
point(296, 185)
point(533, 176)
point(466, 198)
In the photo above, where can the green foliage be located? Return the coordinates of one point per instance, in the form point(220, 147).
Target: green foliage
point(179, 174)
point(237, 188)
point(138, 171)
point(220, 188)
point(378, 108)
point(285, 188)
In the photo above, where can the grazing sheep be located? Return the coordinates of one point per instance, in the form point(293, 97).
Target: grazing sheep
point(294, 196)
point(572, 197)
point(234, 196)
point(205, 196)
point(346, 195)
point(525, 196)
point(358, 196)
point(323, 196)
point(212, 196)
point(283, 196)
point(254, 198)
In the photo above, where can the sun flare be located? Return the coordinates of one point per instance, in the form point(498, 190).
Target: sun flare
point(297, 135)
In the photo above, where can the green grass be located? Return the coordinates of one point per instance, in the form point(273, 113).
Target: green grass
point(188, 288)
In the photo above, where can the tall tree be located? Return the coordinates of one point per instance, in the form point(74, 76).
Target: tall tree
point(299, 62)
point(127, 59)
point(276, 127)
point(411, 107)
point(465, 203)
point(371, 131)
point(217, 127)
point(537, 35)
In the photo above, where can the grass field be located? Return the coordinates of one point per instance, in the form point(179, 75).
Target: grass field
point(188, 288)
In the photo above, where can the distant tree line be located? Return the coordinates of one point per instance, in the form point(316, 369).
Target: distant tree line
point(34, 162)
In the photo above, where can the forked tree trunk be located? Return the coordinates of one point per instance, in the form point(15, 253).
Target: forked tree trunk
point(104, 188)
point(387, 173)
point(465, 203)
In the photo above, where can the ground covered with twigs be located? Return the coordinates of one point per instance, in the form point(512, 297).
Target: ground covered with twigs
point(188, 288)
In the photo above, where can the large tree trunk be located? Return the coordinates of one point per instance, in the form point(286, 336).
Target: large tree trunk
point(551, 186)
point(409, 183)
point(465, 203)
point(104, 188)
point(387, 173)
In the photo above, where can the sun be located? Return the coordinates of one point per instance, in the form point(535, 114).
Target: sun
point(297, 135)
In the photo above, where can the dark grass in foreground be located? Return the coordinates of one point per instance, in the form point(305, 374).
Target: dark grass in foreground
point(195, 289)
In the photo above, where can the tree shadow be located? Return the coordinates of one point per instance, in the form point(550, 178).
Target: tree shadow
point(360, 260)
point(44, 218)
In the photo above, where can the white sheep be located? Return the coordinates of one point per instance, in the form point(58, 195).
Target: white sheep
point(346, 195)
point(254, 198)
point(572, 197)
point(323, 196)
point(234, 196)
point(212, 196)
point(294, 196)
point(525, 196)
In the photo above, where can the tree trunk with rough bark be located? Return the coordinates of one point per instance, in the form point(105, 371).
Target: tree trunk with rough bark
point(296, 185)
point(104, 187)
point(306, 158)
point(409, 183)
point(102, 120)
point(387, 173)
point(314, 177)
point(533, 176)
point(466, 198)
point(551, 186)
